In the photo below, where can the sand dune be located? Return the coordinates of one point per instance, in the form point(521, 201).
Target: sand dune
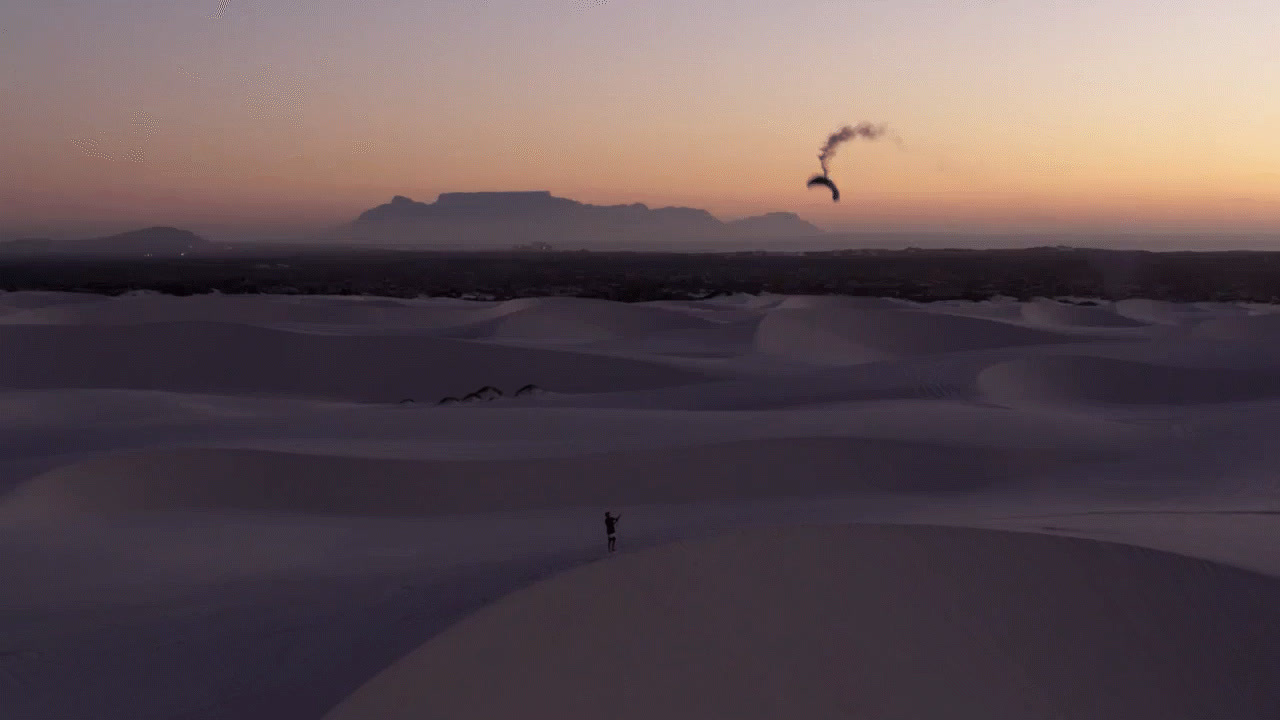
point(580, 320)
point(842, 302)
point(1262, 328)
point(885, 622)
point(87, 410)
point(1159, 311)
point(12, 301)
point(758, 302)
point(994, 309)
point(210, 479)
point(304, 312)
point(1050, 313)
point(841, 337)
point(229, 359)
point(1068, 380)
point(1228, 308)
point(218, 507)
point(725, 339)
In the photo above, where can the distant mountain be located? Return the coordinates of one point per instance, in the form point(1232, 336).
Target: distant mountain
point(148, 241)
point(505, 219)
point(774, 224)
point(27, 245)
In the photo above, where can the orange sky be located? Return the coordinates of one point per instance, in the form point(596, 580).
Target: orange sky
point(277, 115)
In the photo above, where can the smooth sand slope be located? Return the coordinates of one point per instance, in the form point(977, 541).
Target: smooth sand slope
point(238, 359)
point(218, 507)
point(1067, 380)
point(261, 481)
point(859, 622)
point(848, 336)
point(1055, 314)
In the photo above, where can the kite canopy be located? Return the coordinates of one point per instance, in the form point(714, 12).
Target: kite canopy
point(824, 180)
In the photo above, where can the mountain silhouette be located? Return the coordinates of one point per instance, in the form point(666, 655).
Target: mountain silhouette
point(504, 219)
point(774, 224)
point(148, 241)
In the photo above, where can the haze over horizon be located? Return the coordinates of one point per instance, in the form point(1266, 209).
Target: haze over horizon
point(258, 118)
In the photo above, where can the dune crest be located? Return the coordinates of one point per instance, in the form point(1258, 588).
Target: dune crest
point(843, 336)
point(1087, 381)
point(869, 621)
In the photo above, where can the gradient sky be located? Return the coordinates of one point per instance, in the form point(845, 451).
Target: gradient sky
point(266, 116)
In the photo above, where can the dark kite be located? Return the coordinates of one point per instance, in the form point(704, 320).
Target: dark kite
point(824, 180)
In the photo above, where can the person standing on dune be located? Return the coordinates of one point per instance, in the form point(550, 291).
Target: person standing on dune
point(610, 527)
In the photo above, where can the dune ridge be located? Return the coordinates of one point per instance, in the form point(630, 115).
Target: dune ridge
point(226, 358)
point(852, 336)
point(866, 621)
point(211, 479)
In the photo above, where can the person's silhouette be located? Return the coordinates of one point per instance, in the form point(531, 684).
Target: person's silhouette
point(611, 527)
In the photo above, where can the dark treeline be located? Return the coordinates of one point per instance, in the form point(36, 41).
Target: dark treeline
point(910, 274)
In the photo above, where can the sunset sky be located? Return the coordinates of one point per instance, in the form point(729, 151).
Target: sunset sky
point(243, 117)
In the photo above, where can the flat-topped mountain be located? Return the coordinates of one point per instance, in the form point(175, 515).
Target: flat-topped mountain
point(501, 219)
point(774, 224)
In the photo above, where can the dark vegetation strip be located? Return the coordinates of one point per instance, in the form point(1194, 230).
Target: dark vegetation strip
point(923, 275)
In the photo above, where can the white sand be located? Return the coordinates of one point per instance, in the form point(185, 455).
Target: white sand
point(218, 507)
point(871, 621)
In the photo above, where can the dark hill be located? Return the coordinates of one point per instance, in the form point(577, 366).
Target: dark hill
point(148, 241)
